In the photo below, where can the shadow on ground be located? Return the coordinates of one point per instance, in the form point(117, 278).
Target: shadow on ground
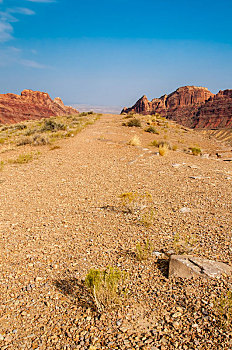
point(163, 265)
point(77, 292)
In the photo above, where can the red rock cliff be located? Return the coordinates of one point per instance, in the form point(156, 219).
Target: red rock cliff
point(30, 105)
point(195, 107)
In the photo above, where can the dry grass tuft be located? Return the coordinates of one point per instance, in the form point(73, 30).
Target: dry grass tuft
point(135, 141)
point(105, 286)
point(163, 150)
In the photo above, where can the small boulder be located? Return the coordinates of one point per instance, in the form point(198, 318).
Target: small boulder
point(187, 266)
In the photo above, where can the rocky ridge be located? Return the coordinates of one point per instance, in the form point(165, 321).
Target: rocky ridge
point(30, 105)
point(194, 107)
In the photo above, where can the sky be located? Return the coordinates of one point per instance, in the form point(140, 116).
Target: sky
point(111, 52)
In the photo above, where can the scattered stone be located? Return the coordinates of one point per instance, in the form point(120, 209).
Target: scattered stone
point(205, 156)
point(176, 165)
point(185, 210)
point(187, 266)
point(157, 254)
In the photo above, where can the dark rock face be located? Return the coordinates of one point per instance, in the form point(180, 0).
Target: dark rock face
point(194, 107)
point(30, 105)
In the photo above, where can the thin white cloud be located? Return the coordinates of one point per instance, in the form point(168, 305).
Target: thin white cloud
point(6, 31)
point(13, 56)
point(6, 18)
point(21, 10)
point(32, 64)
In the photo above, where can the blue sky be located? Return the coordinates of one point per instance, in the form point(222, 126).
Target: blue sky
point(111, 52)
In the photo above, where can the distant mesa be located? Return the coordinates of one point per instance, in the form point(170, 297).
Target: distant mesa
point(31, 105)
point(191, 106)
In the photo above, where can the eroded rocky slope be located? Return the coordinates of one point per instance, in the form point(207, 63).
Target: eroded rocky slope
point(30, 105)
point(194, 107)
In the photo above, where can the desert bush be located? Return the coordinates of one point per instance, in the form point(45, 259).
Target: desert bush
point(1, 165)
point(140, 205)
point(147, 217)
point(52, 125)
point(161, 144)
point(20, 127)
point(85, 114)
point(135, 141)
point(163, 150)
point(174, 147)
point(223, 309)
point(40, 140)
point(143, 250)
point(22, 158)
point(134, 201)
point(154, 143)
point(36, 140)
point(105, 286)
point(52, 148)
point(126, 116)
point(24, 141)
point(134, 122)
point(184, 243)
point(152, 130)
point(164, 144)
point(196, 151)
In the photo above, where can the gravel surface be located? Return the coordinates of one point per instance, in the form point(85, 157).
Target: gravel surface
point(60, 215)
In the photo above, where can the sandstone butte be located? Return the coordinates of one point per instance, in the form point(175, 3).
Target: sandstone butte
point(31, 105)
point(191, 106)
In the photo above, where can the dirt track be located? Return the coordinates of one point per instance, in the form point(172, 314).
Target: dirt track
point(60, 215)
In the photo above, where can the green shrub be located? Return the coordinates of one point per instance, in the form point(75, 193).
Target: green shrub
point(22, 158)
point(140, 205)
point(154, 143)
point(25, 140)
point(134, 122)
point(51, 125)
point(184, 242)
point(84, 114)
point(195, 151)
point(147, 217)
point(105, 286)
point(40, 140)
point(143, 250)
point(223, 308)
point(152, 130)
point(174, 147)
point(1, 165)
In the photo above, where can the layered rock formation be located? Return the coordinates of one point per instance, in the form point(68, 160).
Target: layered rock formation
point(30, 105)
point(194, 107)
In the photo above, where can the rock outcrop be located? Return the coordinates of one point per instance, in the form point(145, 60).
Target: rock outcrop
point(194, 107)
point(30, 105)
